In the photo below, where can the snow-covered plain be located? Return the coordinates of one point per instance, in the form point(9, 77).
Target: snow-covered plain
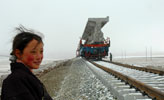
point(5, 64)
point(154, 62)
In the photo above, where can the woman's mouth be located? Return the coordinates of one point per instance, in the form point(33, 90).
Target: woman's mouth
point(37, 63)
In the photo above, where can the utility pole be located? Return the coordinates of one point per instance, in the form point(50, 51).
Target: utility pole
point(146, 54)
point(122, 55)
point(125, 54)
point(151, 53)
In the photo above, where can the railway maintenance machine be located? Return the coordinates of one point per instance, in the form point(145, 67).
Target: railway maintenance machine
point(92, 45)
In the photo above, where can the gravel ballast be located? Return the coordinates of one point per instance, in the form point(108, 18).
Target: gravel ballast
point(75, 81)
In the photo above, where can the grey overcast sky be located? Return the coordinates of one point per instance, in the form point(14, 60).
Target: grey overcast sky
point(133, 26)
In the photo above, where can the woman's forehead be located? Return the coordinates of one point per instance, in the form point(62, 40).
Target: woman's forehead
point(35, 44)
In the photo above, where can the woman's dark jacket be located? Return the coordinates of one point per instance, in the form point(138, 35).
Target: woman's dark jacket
point(22, 84)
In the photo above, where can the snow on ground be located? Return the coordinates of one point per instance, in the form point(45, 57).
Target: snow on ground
point(154, 62)
point(82, 84)
point(5, 66)
point(49, 63)
point(74, 81)
point(46, 63)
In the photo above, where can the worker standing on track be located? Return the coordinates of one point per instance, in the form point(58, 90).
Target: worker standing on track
point(111, 57)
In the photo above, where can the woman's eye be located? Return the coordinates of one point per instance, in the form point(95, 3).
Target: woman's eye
point(41, 51)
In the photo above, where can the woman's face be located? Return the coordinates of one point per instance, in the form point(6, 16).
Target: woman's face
point(32, 54)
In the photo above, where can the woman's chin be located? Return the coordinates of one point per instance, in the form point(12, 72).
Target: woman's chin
point(35, 66)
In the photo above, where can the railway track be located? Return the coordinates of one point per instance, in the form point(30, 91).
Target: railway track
point(134, 82)
point(138, 68)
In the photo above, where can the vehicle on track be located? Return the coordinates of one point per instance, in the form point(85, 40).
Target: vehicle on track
point(94, 45)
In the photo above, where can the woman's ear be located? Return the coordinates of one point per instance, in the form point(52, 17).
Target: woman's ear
point(18, 53)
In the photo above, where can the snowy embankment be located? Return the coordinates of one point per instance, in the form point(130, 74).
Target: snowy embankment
point(72, 79)
point(154, 62)
point(45, 67)
point(75, 81)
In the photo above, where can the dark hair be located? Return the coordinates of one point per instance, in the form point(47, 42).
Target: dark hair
point(23, 37)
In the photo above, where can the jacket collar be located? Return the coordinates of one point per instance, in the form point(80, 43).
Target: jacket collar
point(21, 66)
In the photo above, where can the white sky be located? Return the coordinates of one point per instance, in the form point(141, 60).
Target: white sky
point(133, 26)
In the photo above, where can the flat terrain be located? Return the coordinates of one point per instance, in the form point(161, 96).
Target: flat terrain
point(154, 62)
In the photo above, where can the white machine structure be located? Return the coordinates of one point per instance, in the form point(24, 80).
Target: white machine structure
point(92, 33)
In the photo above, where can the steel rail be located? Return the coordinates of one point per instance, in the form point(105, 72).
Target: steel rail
point(155, 71)
point(150, 91)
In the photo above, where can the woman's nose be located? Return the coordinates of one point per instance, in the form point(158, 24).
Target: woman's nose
point(39, 56)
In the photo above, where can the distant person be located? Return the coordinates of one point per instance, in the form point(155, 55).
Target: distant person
point(27, 54)
point(111, 57)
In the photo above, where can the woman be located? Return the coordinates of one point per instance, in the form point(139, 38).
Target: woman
point(22, 84)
